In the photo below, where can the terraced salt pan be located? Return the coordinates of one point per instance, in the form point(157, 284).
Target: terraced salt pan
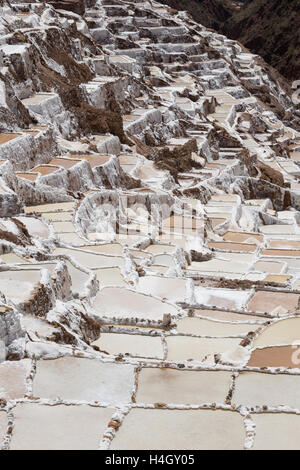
point(13, 379)
point(4, 138)
point(292, 253)
point(18, 285)
point(37, 328)
point(277, 431)
point(282, 332)
point(217, 266)
point(135, 345)
point(242, 237)
point(277, 279)
point(164, 260)
point(160, 249)
point(228, 316)
point(11, 258)
point(28, 176)
point(273, 302)
point(80, 427)
point(284, 244)
point(228, 246)
point(91, 260)
point(276, 356)
point(78, 277)
point(174, 386)
point(64, 162)
point(35, 227)
point(57, 216)
point(257, 389)
point(38, 266)
point(61, 206)
point(183, 348)
point(221, 298)
point(172, 289)
point(84, 379)
point(45, 170)
point(197, 326)
point(269, 267)
point(108, 248)
point(71, 239)
point(110, 277)
point(96, 160)
point(177, 429)
point(277, 229)
point(123, 303)
point(63, 226)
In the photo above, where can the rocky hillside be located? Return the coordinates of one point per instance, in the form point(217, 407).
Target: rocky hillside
point(210, 13)
point(268, 28)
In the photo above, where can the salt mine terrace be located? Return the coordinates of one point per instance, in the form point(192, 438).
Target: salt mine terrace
point(154, 302)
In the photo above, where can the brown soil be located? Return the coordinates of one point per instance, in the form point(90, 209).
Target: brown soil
point(23, 238)
point(269, 174)
point(177, 160)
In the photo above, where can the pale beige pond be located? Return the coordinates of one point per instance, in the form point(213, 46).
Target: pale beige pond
point(186, 387)
point(35, 227)
point(83, 379)
point(108, 248)
point(180, 429)
point(117, 302)
point(11, 258)
point(280, 333)
point(183, 348)
point(278, 431)
point(59, 206)
point(18, 285)
point(198, 326)
point(110, 277)
point(258, 389)
point(13, 379)
point(80, 427)
point(91, 260)
point(273, 302)
point(172, 289)
point(135, 345)
point(64, 226)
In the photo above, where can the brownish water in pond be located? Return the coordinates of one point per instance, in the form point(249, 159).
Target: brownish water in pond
point(284, 244)
point(268, 267)
point(215, 222)
point(276, 356)
point(233, 246)
point(27, 176)
point(294, 253)
point(46, 170)
point(95, 160)
point(264, 301)
point(64, 162)
point(7, 137)
point(242, 237)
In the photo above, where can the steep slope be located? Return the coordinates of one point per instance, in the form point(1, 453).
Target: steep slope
point(210, 13)
point(270, 29)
